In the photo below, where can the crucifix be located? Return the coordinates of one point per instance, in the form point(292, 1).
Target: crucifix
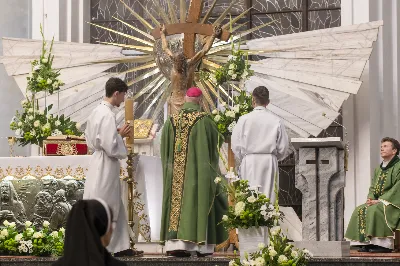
point(184, 63)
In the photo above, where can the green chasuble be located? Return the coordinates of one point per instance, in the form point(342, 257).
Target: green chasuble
point(192, 204)
point(382, 219)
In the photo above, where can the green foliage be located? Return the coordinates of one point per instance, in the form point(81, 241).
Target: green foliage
point(32, 125)
point(227, 118)
point(43, 77)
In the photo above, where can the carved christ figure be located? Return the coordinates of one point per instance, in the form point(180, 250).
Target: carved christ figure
point(183, 69)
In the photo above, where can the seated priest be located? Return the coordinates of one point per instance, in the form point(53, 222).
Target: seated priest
point(373, 224)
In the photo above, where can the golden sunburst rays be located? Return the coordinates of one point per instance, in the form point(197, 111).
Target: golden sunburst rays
point(154, 94)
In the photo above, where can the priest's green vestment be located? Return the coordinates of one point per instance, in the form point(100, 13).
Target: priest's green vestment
point(382, 219)
point(193, 204)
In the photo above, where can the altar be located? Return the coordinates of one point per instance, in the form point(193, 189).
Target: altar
point(36, 182)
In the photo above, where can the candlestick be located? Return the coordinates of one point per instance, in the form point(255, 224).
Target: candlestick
point(129, 119)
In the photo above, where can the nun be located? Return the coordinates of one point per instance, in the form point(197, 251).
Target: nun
point(88, 233)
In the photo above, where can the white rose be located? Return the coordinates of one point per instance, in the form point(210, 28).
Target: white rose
point(55, 85)
point(30, 110)
point(36, 68)
point(217, 118)
point(215, 111)
point(4, 232)
point(28, 223)
point(230, 72)
point(225, 218)
point(18, 237)
point(78, 126)
point(30, 117)
point(275, 230)
point(18, 132)
point(239, 208)
point(217, 180)
point(44, 60)
point(232, 66)
point(46, 223)
point(307, 254)
point(6, 223)
point(272, 252)
point(36, 123)
point(2, 237)
point(260, 261)
point(57, 123)
point(282, 259)
point(294, 254)
point(12, 225)
point(19, 123)
point(30, 230)
point(37, 235)
point(54, 234)
point(261, 245)
point(234, 76)
point(49, 81)
point(251, 199)
point(263, 213)
point(245, 73)
point(230, 114)
point(236, 108)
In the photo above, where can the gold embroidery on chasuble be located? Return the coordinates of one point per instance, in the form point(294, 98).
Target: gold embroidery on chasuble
point(182, 124)
point(380, 184)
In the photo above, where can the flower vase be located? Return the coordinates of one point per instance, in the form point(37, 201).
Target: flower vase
point(36, 150)
point(250, 238)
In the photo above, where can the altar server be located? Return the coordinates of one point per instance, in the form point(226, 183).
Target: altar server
point(102, 180)
point(258, 141)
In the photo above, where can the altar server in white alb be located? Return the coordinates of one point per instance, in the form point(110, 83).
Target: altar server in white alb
point(259, 140)
point(102, 180)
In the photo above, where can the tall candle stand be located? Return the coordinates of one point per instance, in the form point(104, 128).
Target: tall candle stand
point(129, 120)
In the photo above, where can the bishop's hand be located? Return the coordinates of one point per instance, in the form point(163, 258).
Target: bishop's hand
point(125, 130)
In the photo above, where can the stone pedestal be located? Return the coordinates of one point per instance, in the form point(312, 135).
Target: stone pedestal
point(320, 176)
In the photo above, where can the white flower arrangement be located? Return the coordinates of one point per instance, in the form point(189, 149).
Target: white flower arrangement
point(31, 242)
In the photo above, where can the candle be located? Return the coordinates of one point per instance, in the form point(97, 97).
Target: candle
point(129, 118)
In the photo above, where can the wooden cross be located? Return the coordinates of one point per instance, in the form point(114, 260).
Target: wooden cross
point(191, 28)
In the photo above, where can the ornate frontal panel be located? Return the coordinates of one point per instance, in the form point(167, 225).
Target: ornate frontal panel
point(44, 188)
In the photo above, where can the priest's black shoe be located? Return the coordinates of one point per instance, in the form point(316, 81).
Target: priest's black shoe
point(129, 253)
point(364, 248)
point(178, 253)
point(378, 249)
point(203, 254)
